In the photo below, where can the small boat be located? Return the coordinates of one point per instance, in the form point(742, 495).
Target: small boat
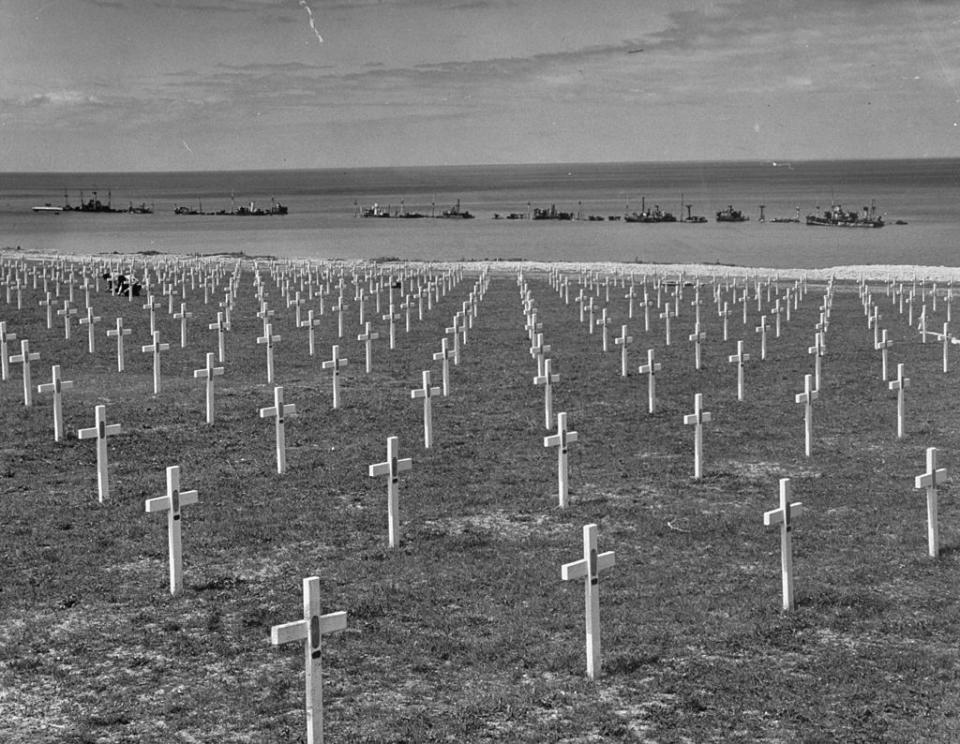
point(48, 209)
point(731, 215)
point(837, 217)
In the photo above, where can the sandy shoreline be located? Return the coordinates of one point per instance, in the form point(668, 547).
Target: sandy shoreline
point(867, 272)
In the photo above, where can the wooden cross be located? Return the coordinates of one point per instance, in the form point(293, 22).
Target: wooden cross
point(762, 330)
point(807, 397)
point(547, 379)
point(697, 418)
point(310, 324)
point(455, 330)
point(119, 333)
point(443, 356)
point(340, 308)
point(392, 467)
point(368, 337)
point(309, 631)
point(220, 327)
point(48, 303)
point(650, 369)
point(666, 315)
point(182, 317)
point(946, 347)
point(393, 317)
point(55, 386)
point(67, 312)
point(630, 296)
point(100, 431)
point(269, 340)
point(90, 321)
point(784, 517)
point(208, 373)
point(588, 568)
point(882, 346)
point(539, 351)
point(297, 304)
point(151, 306)
point(697, 337)
point(171, 504)
point(725, 313)
point(426, 392)
point(929, 480)
point(335, 363)
point(817, 350)
point(622, 341)
point(279, 410)
point(604, 324)
point(5, 338)
point(900, 384)
point(561, 440)
point(739, 358)
point(155, 348)
point(24, 358)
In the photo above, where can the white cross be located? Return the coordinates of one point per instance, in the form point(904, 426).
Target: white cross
point(817, 350)
point(455, 330)
point(650, 369)
point(335, 363)
point(279, 410)
point(538, 351)
point(208, 373)
point(24, 358)
point(269, 339)
point(698, 337)
point(90, 321)
point(443, 356)
point(588, 568)
point(392, 467)
point(368, 337)
point(739, 358)
point(697, 418)
point(152, 307)
point(297, 304)
point(392, 317)
point(762, 330)
point(900, 384)
point(171, 504)
point(67, 312)
point(5, 338)
point(560, 440)
point(604, 324)
point(807, 397)
point(784, 517)
point(882, 346)
point(929, 480)
point(310, 324)
point(547, 379)
point(309, 631)
point(182, 317)
point(100, 431)
point(666, 315)
point(56, 386)
point(725, 313)
point(156, 347)
point(119, 333)
point(426, 392)
point(622, 341)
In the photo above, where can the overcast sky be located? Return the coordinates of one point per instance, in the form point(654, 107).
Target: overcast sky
point(236, 84)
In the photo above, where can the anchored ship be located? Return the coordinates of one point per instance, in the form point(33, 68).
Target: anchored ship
point(837, 217)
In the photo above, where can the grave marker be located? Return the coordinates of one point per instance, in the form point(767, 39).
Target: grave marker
point(90, 321)
point(426, 392)
point(171, 503)
point(697, 418)
point(739, 358)
point(900, 384)
point(209, 372)
point(335, 363)
point(929, 480)
point(155, 348)
point(547, 379)
point(56, 386)
point(443, 356)
point(650, 369)
point(807, 397)
point(882, 346)
point(622, 341)
point(119, 333)
point(309, 631)
point(268, 339)
point(24, 358)
point(588, 568)
point(368, 337)
point(100, 431)
point(392, 467)
point(182, 317)
point(279, 410)
point(561, 440)
point(784, 517)
point(5, 338)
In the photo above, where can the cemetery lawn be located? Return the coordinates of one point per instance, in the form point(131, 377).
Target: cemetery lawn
point(465, 632)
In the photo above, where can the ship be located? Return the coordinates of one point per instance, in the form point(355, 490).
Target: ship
point(456, 213)
point(48, 208)
point(837, 217)
point(249, 210)
point(795, 219)
point(649, 216)
point(731, 215)
point(91, 205)
point(551, 214)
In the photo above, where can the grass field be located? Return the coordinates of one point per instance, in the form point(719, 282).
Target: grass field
point(465, 633)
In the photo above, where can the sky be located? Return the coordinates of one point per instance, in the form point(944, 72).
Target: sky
point(170, 85)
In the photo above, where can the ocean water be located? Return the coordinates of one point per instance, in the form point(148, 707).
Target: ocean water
point(322, 221)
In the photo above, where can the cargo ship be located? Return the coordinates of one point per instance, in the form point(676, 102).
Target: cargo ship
point(837, 217)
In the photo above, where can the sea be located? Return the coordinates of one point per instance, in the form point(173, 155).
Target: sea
point(324, 207)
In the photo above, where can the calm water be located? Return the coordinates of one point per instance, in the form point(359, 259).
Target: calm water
point(322, 204)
